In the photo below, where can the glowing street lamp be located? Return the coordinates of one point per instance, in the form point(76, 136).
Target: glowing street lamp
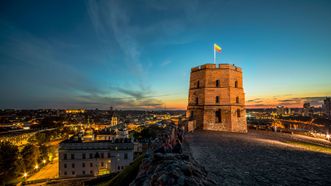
point(25, 175)
point(37, 166)
point(44, 161)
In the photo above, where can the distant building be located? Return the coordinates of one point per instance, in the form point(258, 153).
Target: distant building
point(93, 158)
point(75, 111)
point(216, 98)
point(114, 121)
point(307, 109)
point(327, 107)
point(280, 110)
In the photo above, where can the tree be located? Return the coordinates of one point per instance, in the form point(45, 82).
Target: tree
point(8, 158)
point(42, 138)
point(30, 155)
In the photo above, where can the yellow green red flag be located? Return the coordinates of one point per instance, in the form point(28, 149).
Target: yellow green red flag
point(217, 48)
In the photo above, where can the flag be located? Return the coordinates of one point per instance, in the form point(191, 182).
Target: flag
point(217, 48)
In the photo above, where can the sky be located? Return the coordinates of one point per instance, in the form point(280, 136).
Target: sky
point(138, 54)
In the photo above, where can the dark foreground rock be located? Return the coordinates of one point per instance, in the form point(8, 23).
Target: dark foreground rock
point(171, 169)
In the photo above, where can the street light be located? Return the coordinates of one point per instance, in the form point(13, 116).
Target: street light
point(37, 166)
point(44, 161)
point(25, 175)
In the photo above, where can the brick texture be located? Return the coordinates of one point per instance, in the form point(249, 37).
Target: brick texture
point(216, 98)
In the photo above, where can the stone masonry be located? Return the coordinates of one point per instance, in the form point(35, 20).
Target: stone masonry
point(216, 98)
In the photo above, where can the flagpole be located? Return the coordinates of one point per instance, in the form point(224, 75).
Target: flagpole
point(214, 54)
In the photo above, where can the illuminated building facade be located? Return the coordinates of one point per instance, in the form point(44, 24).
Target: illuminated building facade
point(93, 158)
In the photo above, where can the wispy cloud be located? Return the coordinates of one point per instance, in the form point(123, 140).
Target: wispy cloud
point(109, 17)
point(286, 101)
point(44, 78)
point(166, 62)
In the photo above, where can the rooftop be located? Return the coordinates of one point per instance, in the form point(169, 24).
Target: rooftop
point(216, 66)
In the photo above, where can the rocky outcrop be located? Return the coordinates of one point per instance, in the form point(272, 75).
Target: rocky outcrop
point(171, 169)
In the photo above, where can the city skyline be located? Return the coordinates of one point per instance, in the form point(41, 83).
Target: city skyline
point(138, 55)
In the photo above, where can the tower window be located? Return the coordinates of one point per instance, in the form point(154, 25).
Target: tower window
point(238, 113)
point(236, 84)
point(218, 116)
point(192, 115)
point(198, 84)
point(237, 99)
point(197, 101)
point(217, 99)
point(217, 83)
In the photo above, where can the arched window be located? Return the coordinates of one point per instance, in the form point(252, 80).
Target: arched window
point(236, 84)
point(237, 99)
point(238, 113)
point(217, 83)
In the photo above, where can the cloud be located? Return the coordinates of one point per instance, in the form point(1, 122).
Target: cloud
point(110, 17)
point(36, 73)
point(289, 102)
point(166, 62)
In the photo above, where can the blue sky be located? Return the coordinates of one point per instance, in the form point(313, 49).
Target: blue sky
point(138, 54)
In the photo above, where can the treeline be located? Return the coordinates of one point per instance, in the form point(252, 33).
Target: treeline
point(15, 161)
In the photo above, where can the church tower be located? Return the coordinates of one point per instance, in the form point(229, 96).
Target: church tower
point(216, 98)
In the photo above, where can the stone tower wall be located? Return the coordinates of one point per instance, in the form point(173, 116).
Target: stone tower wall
point(231, 102)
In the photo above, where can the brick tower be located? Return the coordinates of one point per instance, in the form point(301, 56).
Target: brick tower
point(216, 98)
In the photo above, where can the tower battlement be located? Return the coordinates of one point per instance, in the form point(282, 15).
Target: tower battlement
point(216, 98)
point(216, 66)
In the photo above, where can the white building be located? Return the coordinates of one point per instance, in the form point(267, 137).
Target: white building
point(93, 158)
